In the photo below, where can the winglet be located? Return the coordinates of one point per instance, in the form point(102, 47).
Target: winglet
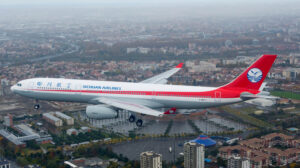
point(179, 65)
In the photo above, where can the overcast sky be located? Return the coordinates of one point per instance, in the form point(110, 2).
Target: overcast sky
point(57, 2)
point(174, 7)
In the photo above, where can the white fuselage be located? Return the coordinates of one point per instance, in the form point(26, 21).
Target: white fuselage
point(151, 95)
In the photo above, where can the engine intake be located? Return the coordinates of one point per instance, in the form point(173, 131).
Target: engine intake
point(101, 112)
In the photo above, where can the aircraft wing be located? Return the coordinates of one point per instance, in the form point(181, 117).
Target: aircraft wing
point(134, 107)
point(162, 78)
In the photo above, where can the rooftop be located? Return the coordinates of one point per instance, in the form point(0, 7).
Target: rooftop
point(48, 115)
point(26, 130)
point(273, 135)
point(62, 115)
point(150, 153)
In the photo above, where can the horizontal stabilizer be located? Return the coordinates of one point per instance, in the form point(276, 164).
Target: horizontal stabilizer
point(248, 96)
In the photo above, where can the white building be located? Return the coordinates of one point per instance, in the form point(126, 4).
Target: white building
point(130, 50)
point(4, 163)
point(150, 159)
point(201, 66)
point(85, 129)
point(72, 131)
point(69, 120)
point(245, 163)
point(144, 50)
point(52, 119)
point(26, 130)
point(8, 120)
point(238, 162)
point(193, 155)
point(291, 73)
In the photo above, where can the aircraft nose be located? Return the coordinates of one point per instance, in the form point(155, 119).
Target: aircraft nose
point(13, 88)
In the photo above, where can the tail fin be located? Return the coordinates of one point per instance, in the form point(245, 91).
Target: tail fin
point(253, 77)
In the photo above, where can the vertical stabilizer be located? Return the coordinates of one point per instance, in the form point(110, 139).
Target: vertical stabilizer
point(253, 77)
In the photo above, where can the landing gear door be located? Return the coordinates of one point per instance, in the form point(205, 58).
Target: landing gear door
point(217, 96)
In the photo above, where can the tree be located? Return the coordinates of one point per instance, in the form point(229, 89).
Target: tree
point(221, 162)
point(113, 165)
point(52, 163)
point(22, 161)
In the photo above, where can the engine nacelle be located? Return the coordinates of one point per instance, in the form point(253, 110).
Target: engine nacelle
point(101, 112)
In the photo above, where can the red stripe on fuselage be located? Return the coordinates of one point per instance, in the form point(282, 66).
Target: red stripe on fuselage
point(220, 93)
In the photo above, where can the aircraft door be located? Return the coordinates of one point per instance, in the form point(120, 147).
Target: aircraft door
point(217, 96)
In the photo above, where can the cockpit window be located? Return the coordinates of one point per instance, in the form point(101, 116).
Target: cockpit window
point(19, 84)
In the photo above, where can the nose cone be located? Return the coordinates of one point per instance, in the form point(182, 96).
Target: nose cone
point(13, 88)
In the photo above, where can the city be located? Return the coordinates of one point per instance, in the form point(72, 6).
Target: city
point(134, 42)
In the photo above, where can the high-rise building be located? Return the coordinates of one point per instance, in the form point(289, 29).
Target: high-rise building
point(4, 163)
point(238, 162)
point(151, 159)
point(193, 155)
point(8, 120)
point(245, 163)
point(234, 162)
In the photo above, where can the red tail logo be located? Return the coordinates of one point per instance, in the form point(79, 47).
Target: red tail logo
point(253, 77)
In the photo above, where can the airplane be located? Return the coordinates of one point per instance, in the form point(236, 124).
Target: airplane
point(108, 98)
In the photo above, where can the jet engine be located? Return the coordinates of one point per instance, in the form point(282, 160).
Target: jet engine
point(101, 112)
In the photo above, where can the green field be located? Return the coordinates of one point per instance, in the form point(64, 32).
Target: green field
point(244, 116)
point(286, 94)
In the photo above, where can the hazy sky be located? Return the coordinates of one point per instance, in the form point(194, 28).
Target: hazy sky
point(188, 7)
point(38, 2)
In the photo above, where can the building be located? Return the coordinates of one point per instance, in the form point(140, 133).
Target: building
point(69, 120)
point(26, 130)
point(44, 139)
point(262, 152)
point(8, 121)
point(245, 163)
point(201, 66)
point(234, 162)
point(143, 50)
point(52, 119)
point(130, 50)
point(72, 131)
point(238, 162)
point(192, 46)
point(4, 163)
point(151, 160)
point(1, 90)
point(28, 135)
point(204, 140)
point(277, 139)
point(85, 129)
point(12, 138)
point(291, 73)
point(193, 155)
